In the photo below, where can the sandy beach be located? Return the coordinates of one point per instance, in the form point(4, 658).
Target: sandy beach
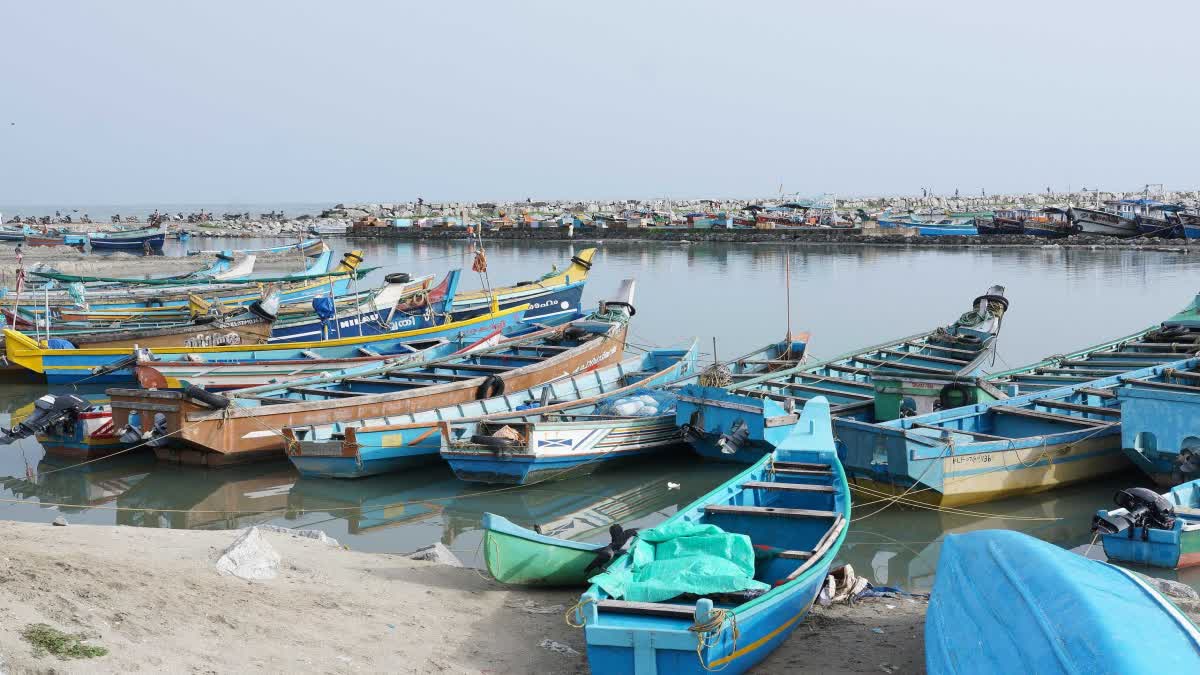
point(155, 601)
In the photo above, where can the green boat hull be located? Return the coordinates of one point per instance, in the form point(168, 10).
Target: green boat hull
point(515, 555)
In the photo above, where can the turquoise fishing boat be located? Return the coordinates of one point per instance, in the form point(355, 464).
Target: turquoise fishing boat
point(1015, 445)
point(758, 550)
point(1004, 602)
point(910, 375)
point(1153, 529)
point(523, 557)
point(579, 437)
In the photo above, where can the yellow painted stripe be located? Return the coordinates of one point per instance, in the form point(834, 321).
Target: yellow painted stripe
point(761, 641)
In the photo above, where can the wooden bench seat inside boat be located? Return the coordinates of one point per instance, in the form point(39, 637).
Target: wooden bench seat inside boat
point(1049, 417)
point(767, 511)
point(787, 487)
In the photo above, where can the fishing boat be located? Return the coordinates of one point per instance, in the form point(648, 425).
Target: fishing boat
point(68, 425)
point(246, 425)
point(520, 556)
point(1099, 221)
point(730, 607)
point(1004, 602)
point(112, 365)
point(154, 372)
point(1050, 223)
point(124, 293)
point(910, 375)
point(137, 240)
point(1190, 224)
point(1016, 445)
point(577, 437)
point(1153, 529)
point(306, 248)
point(552, 299)
point(1159, 431)
point(1003, 222)
point(14, 233)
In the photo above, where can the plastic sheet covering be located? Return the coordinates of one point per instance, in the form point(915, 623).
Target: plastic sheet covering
point(680, 557)
point(644, 402)
point(324, 306)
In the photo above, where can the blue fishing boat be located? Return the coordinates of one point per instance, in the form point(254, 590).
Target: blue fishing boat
point(136, 240)
point(1001, 448)
point(1159, 429)
point(1153, 529)
point(574, 438)
point(401, 304)
point(1004, 602)
point(910, 375)
point(758, 550)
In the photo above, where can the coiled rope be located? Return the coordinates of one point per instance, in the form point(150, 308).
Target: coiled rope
point(708, 634)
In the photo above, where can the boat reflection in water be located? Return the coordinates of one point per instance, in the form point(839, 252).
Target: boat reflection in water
point(405, 511)
point(199, 499)
point(900, 546)
point(62, 481)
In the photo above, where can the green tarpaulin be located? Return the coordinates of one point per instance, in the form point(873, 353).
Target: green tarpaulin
point(680, 557)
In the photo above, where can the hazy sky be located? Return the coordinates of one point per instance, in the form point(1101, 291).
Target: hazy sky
point(256, 101)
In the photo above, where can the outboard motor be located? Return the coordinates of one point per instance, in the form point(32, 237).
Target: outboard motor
point(48, 410)
point(1140, 507)
point(266, 308)
point(729, 443)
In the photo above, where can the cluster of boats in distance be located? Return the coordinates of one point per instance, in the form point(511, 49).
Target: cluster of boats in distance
point(1125, 218)
point(519, 385)
point(137, 237)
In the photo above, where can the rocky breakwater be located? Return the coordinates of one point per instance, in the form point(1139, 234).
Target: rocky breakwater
point(816, 236)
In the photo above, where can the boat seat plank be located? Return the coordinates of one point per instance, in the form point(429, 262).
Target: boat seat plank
point(786, 487)
point(827, 391)
point(1092, 391)
point(927, 357)
point(797, 555)
point(310, 354)
point(729, 509)
point(811, 466)
point(648, 609)
point(1078, 407)
point(850, 408)
point(367, 351)
point(952, 350)
point(972, 434)
point(1164, 385)
point(900, 365)
point(418, 375)
point(1090, 373)
point(846, 382)
point(1048, 416)
point(329, 393)
point(478, 367)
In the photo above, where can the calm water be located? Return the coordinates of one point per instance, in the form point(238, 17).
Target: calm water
point(847, 297)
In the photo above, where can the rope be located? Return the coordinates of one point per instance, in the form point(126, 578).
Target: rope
point(708, 634)
point(577, 610)
point(944, 509)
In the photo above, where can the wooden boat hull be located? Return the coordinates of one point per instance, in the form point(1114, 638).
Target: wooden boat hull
point(661, 637)
point(1006, 602)
point(139, 243)
point(204, 437)
point(1092, 221)
point(248, 329)
point(515, 555)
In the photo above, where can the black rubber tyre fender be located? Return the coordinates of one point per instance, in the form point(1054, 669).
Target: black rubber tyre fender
point(574, 333)
point(998, 299)
point(350, 256)
point(201, 320)
point(398, 278)
point(207, 397)
point(965, 395)
point(495, 442)
point(581, 262)
point(492, 387)
point(626, 305)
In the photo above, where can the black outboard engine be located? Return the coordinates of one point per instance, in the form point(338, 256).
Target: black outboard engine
point(1140, 507)
point(48, 410)
point(729, 443)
